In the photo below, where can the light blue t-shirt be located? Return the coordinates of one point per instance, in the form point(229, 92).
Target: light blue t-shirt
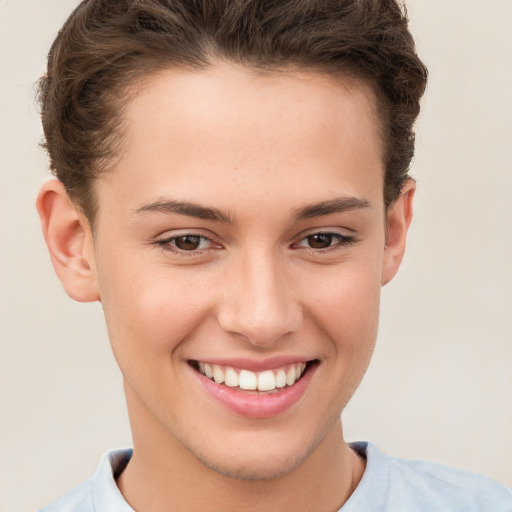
point(389, 484)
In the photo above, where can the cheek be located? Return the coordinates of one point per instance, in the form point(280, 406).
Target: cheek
point(346, 307)
point(148, 312)
point(347, 315)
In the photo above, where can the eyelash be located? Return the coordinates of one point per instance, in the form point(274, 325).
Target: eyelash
point(341, 241)
point(169, 244)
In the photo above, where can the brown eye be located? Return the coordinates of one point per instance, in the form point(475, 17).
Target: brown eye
point(320, 240)
point(188, 242)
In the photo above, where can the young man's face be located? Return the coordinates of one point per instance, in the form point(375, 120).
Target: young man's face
point(243, 231)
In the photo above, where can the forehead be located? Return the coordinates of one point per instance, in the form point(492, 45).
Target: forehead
point(229, 129)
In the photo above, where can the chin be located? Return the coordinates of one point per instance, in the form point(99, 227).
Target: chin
point(255, 469)
point(256, 461)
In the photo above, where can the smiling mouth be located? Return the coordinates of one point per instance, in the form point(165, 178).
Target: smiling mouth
point(267, 381)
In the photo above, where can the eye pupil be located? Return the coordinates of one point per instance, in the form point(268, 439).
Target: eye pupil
point(187, 242)
point(320, 240)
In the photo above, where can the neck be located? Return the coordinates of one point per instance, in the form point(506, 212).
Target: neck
point(164, 475)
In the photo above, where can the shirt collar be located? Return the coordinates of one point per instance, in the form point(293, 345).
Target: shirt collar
point(106, 495)
point(371, 489)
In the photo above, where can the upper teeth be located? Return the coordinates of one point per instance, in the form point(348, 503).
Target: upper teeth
point(246, 379)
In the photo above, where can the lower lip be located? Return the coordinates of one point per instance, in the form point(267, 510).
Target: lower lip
point(257, 405)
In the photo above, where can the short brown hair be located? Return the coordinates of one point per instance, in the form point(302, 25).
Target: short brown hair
point(107, 45)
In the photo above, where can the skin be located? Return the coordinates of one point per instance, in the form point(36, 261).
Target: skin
point(258, 149)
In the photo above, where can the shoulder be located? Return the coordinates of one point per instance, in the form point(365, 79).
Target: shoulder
point(99, 493)
point(444, 487)
point(420, 486)
point(78, 500)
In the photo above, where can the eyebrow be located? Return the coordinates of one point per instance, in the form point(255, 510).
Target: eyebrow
point(189, 209)
point(338, 205)
point(186, 208)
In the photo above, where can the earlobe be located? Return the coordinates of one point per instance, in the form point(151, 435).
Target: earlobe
point(398, 221)
point(69, 240)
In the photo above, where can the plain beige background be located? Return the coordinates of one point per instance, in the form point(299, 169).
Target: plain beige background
point(440, 384)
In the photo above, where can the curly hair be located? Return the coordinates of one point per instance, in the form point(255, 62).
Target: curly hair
point(107, 46)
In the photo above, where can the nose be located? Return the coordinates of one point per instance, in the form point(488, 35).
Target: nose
point(259, 301)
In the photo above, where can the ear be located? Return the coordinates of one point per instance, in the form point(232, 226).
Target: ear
point(69, 240)
point(398, 220)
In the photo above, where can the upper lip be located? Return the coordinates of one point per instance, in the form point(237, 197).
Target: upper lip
point(256, 365)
